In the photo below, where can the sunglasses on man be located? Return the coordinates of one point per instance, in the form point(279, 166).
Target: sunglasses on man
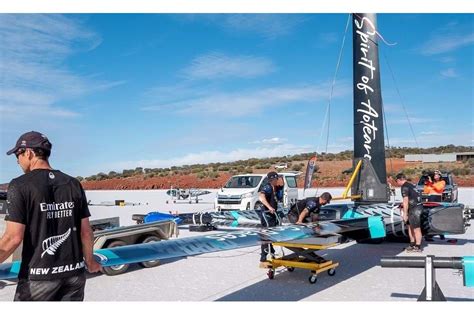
point(19, 152)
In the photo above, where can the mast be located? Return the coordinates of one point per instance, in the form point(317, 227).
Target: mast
point(368, 116)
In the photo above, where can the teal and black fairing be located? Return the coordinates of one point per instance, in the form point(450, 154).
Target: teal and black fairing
point(368, 114)
point(468, 270)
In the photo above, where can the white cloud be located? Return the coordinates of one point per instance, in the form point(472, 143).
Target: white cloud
point(216, 156)
point(449, 73)
point(271, 141)
point(236, 104)
point(217, 65)
point(447, 59)
point(35, 79)
point(413, 121)
point(446, 42)
point(269, 26)
point(432, 139)
point(429, 133)
point(330, 38)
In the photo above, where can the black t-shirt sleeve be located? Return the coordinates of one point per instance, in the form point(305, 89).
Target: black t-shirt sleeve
point(405, 191)
point(311, 205)
point(84, 210)
point(267, 190)
point(16, 204)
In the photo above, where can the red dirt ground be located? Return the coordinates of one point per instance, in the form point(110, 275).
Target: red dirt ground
point(329, 175)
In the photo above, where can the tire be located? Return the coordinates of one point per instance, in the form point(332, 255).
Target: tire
point(290, 269)
point(313, 279)
point(332, 272)
point(119, 269)
point(152, 263)
point(271, 274)
point(257, 205)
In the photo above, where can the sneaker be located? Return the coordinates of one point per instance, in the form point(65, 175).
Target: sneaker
point(414, 249)
point(410, 247)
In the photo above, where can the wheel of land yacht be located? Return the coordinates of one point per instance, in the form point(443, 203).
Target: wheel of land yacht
point(313, 279)
point(151, 263)
point(332, 272)
point(271, 274)
point(290, 269)
point(118, 269)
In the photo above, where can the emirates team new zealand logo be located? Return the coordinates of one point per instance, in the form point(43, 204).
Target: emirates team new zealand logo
point(51, 244)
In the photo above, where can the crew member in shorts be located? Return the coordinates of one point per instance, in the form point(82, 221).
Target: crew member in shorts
point(412, 209)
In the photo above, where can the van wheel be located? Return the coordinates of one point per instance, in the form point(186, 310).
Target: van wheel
point(258, 205)
point(151, 263)
point(118, 269)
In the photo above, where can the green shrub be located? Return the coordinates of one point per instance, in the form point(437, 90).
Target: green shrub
point(297, 167)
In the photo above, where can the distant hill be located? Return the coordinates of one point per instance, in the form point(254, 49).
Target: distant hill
point(333, 170)
point(295, 162)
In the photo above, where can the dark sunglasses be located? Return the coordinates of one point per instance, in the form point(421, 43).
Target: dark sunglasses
point(19, 152)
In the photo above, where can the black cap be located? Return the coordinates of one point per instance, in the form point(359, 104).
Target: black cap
point(32, 140)
point(401, 176)
point(272, 175)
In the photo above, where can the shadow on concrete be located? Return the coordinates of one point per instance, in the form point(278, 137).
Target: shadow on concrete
point(413, 297)
point(4, 284)
point(354, 260)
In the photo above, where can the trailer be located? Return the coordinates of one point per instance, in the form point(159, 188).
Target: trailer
point(109, 234)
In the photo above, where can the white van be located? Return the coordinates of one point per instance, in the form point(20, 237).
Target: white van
point(241, 191)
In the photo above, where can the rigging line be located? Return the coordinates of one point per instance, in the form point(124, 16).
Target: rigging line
point(378, 34)
point(328, 108)
point(335, 77)
point(388, 138)
point(401, 99)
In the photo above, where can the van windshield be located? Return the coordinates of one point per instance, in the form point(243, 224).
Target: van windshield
point(243, 182)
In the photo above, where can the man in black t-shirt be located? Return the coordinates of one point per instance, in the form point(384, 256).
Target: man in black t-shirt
point(268, 196)
point(48, 212)
point(412, 209)
point(303, 209)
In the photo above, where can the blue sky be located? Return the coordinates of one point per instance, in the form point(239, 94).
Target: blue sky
point(117, 91)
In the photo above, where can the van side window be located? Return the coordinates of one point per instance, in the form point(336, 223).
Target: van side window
point(291, 181)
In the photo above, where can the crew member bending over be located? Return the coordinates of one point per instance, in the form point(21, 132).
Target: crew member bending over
point(303, 209)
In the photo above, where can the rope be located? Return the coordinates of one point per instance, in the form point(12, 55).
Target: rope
point(328, 108)
point(387, 137)
point(334, 79)
point(401, 99)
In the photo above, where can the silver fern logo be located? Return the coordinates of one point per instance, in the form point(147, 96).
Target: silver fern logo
point(51, 244)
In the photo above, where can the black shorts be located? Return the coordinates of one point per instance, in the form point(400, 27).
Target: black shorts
point(414, 217)
point(65, 289)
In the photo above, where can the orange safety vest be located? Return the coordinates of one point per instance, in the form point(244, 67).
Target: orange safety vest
point(435, 188)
